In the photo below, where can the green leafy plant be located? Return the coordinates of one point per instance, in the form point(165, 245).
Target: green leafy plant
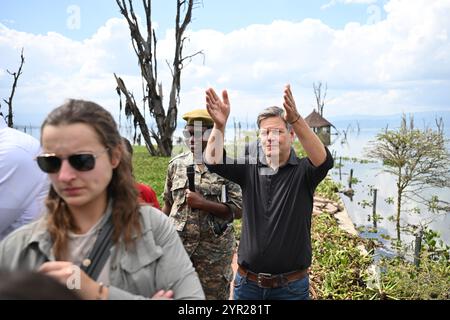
point(418, 159)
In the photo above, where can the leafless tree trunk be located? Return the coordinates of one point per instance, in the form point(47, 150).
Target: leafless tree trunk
point(145, 49)
point(9, 102)
point(320, 96)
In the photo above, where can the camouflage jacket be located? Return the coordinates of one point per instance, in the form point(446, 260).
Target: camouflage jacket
point(195, 224)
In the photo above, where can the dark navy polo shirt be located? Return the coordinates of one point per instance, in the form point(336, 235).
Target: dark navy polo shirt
point(277, 210)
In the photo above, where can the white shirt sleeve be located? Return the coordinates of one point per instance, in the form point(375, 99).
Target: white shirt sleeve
point(23, 186)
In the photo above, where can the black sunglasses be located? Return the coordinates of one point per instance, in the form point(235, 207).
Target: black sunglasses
point(50, 163)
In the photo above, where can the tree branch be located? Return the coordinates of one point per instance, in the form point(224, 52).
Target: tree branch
point(133, 109)
point(193, 55)
point(9, 102)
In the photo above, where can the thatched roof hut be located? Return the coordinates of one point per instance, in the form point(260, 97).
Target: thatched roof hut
point(315, 120)
point(320, 125)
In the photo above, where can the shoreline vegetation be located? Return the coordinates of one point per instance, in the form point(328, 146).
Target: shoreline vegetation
point(343, 266)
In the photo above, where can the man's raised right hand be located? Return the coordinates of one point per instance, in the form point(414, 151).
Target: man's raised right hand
point(218, 109)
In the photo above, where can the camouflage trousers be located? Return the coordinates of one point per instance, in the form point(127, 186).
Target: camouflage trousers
point(212, 257)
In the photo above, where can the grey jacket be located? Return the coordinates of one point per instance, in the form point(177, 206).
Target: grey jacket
point(158, 261)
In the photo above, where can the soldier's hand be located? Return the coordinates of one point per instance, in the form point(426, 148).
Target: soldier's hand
point(194, 199)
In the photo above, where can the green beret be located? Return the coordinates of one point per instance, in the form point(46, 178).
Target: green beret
point(198, 115)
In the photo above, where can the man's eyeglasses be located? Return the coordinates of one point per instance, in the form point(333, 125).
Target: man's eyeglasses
point(50, 163)
point(275, 132)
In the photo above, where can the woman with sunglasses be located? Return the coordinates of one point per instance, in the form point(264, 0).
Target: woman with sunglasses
point(92, 191)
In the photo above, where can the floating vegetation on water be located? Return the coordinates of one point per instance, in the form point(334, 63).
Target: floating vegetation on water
point(356, 160)
point(338, 165)
point(365, 203)
point(385, 236)
point(354, 180)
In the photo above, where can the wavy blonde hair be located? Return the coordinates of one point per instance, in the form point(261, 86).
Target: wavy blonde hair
point(121, 189)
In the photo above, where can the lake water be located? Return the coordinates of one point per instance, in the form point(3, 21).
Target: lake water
point(371, 176)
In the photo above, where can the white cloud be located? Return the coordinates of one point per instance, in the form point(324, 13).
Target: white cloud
point(57, 68)
point(403, 54)
point(397, 64)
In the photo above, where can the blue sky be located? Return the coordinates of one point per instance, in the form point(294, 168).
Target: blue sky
point(378, 57)
point(50, 15)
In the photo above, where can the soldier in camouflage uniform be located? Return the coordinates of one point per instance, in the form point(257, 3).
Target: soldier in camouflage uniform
point(203, 218)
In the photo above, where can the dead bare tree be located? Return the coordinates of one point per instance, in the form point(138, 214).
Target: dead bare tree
point(145, 49)
point(320, 96)
point(10, 117)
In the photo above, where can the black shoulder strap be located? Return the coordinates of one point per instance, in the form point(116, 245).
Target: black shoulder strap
point(100, 252)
